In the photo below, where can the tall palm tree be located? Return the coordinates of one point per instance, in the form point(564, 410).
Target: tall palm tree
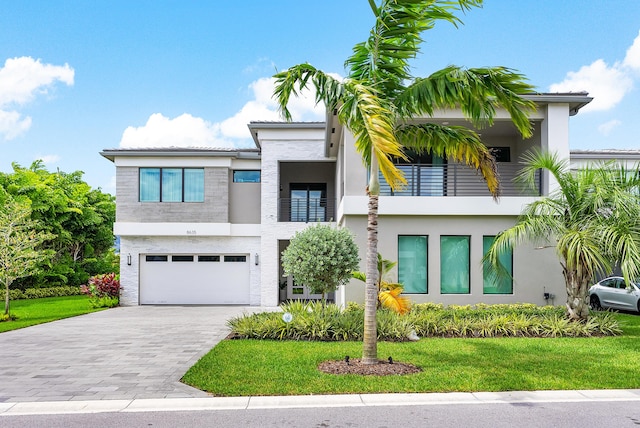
point(379, 98)
point(593, 218)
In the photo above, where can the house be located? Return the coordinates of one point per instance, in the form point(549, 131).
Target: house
point(208, 226)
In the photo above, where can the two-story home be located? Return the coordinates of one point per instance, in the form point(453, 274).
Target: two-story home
point(208, 226)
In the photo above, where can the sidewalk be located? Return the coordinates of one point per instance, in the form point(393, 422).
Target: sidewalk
point(307, 401)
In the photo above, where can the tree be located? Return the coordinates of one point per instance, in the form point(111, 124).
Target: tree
point(321, 257)
point(379, 99)
point(81, 219)
point(388, 292)
point(20, 244)
point(592, 220)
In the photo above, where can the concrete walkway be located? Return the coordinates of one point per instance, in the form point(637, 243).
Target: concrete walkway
point(124, 353)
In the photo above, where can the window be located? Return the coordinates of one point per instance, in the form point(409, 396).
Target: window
point(493, 284)
point(171, 185)
point(156, 258)
point(308, 202)
point(425, 174)
point(228, 259)
point(501, 154)
point(412, 263)
point(454, 264)
point(246, 176)
point(208, 258)
point(181, 258)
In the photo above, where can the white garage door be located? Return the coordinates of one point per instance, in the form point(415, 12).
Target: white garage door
point(194, 279)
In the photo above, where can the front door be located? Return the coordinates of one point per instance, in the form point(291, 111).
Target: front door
point(299, 292)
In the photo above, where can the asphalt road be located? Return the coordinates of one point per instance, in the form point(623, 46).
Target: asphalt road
point(522, 415)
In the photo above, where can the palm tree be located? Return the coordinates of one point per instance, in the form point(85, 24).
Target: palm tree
point(593, 218)
point(379, 98)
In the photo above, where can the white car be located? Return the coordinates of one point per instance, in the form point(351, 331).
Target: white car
point(614, 293)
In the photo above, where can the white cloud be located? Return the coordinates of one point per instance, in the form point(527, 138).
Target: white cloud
point(190, 131)
point(49, 159)
point(21, 81)
point(182, 131)
point(632, 58)
point(12, 124)
point(606, 128)
point(606, 84)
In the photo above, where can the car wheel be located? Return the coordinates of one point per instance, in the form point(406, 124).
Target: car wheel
point(594, 302)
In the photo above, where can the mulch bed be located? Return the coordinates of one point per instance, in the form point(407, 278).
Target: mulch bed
point(355, 366)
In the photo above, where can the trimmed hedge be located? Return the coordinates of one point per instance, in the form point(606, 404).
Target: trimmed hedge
point(312, 321)
point(38, 293)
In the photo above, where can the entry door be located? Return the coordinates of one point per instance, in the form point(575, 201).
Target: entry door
point(299, 292)
point(308, 202)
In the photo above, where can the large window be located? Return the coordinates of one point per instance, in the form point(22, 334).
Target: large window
point(412, 263)
point(454, 264)
point(308, 202)
point(171, 185)
point(493, 283)
point(246, 176)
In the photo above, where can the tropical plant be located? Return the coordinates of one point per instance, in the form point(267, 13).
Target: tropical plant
point(592, 219)
point(389, 293)
point(321, 257)
point(20, 244)
point(379, 99)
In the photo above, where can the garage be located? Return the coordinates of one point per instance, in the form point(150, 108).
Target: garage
point(194, 279)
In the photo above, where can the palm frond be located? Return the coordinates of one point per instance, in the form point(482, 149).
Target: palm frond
point(477, 91)
point(291, 81)
point(393, 300)
point(452, 142)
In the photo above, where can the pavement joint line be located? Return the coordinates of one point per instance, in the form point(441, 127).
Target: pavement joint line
point(307, 401)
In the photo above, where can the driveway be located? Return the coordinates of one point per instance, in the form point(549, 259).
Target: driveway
point(121, 353)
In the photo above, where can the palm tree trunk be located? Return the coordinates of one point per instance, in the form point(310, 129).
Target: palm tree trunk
point(577, 291)
point(370, 336)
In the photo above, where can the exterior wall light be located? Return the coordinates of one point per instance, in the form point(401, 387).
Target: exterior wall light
point(257, 259)
point(129, 259)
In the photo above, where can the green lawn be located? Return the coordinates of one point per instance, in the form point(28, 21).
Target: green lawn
point(37, 311)
point(255, 367)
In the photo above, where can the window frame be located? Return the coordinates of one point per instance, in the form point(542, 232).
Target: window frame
point(161, 178)
point(485, 277)
point(468, 267)
point(426, 264)
point(247, 171)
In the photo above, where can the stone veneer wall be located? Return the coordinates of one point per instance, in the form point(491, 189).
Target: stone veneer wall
point(214, 209)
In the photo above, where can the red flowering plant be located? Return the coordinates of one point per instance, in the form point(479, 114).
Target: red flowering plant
point(103, 290)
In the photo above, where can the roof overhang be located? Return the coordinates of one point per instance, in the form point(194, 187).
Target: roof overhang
point(174, 152)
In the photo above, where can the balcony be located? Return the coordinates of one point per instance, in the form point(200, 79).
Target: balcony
point(306, 209)
point(457, 180)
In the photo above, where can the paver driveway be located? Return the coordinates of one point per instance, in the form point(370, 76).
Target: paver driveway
point(121, 353)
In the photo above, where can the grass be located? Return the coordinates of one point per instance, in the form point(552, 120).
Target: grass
point(262, 367)
point(37, 311)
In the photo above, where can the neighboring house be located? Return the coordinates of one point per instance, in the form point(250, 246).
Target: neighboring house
point(208, 226)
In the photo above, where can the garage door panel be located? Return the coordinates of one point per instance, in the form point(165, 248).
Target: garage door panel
point(194, 279)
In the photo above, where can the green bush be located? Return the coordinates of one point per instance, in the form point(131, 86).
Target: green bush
point(39, 293)
point(312, 321)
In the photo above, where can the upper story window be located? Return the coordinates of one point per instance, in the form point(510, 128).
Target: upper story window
point(246, 176)
point(171, 185)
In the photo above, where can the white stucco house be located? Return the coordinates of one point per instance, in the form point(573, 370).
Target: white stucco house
point(207, 226)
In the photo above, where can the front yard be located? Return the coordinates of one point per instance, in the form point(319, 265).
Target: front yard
point(266, 367)
point(30, 312)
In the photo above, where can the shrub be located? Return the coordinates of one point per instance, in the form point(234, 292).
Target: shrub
point(312, 321)
point(39, 293)
point(103, 290)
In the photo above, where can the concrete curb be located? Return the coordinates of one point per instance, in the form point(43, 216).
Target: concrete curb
point(306, 401)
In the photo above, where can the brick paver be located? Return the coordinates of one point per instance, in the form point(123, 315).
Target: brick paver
point(122, 353)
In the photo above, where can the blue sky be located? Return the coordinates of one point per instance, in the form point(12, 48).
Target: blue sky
point(77, 77)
